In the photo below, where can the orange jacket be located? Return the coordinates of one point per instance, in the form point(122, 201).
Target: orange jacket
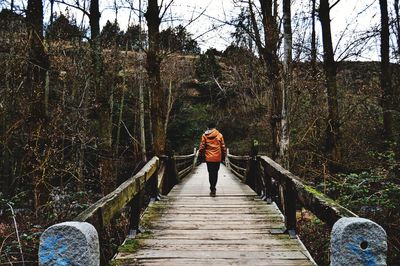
point(212, 144)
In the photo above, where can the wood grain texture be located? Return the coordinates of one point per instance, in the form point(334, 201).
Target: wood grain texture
point(188, 227)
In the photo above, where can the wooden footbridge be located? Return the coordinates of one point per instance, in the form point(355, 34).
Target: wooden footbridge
point(234, 228)
point(251, 221)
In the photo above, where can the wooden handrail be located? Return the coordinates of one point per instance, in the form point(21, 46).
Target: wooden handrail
point(290, 191)
point(100, 213)
point(321, 205)
point(238, 157)
point(185, 157)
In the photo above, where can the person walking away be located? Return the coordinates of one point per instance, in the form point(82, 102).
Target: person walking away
point(212, 146)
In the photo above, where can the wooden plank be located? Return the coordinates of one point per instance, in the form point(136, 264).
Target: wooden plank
point(274, 240)
point(224, 218)
point(216, 262)
point(219, 254)
point(211, 261)
point(206, 225)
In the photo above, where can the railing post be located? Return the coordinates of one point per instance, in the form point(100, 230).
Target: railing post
point(171, 173)
point(227, 159)
point(153, 183)
point(194, 158)
point(268, 186)
point(358, 241)
point(136, 207)
point(174, 169)
point(69, 243)
point(252, 167)
point(289, 195)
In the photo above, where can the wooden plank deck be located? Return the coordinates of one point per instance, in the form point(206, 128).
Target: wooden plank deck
point(189, 227)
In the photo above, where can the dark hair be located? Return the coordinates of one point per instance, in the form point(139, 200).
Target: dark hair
point(211, 124)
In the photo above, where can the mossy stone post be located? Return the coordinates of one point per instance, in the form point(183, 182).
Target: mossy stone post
point(69, 243)
point(358, 241)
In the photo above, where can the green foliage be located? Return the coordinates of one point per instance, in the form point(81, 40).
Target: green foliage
point(64, 28)
point(243, 29)
point(184, 133)
point(133, 38)
point(111, 34)
point(178, 39)
point(207, 67)
point(130, 246)
point(377, 190)
point(368, 190)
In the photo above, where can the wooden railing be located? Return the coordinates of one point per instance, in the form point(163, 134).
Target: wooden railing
point(274, 183)
point(177, 167)
point(128, 193)
point(155, 175)
point(159, 175)
point(354, 240)
point(238, 165)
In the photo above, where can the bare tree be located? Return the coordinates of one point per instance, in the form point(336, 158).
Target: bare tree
point(103, 98)
point(287, 78)
point(333, 124)
point(35, 84)
point(141, 93)
point(397, 24)
point(313, 40)
point(158, 93)
point(271, 36)
point(386, 84)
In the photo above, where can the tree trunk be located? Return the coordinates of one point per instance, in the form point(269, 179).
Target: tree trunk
point(158, 106)
point(141, 92)
point(103, 97)
point(287, 81)
point(313, 41)
point(257, 36)
point(149, 118)
point(333, 124)
point(35, 87)
point(38, 60)
point(386, 84)
point(271, 35)
point(397, 21)
point(142, 114)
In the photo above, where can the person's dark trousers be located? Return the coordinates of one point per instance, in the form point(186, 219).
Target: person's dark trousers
point(213, 168)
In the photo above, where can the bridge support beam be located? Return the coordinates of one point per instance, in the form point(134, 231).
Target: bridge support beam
point(358, 241)
point(69, 243)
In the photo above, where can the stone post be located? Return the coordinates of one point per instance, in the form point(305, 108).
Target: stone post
point(69, 243)
point(358, 241)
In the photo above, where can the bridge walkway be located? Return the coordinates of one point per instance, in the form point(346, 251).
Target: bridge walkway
point(188, 227)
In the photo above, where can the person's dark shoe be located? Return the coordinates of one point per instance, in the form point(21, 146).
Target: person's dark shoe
point(213, 193)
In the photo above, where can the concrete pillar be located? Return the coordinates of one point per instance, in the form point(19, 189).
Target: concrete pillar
point(69, 243)
point(358, 241)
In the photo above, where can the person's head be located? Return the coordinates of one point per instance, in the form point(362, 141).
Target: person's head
point(211, 124)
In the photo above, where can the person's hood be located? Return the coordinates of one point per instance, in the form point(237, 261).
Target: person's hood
point(211, 133)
